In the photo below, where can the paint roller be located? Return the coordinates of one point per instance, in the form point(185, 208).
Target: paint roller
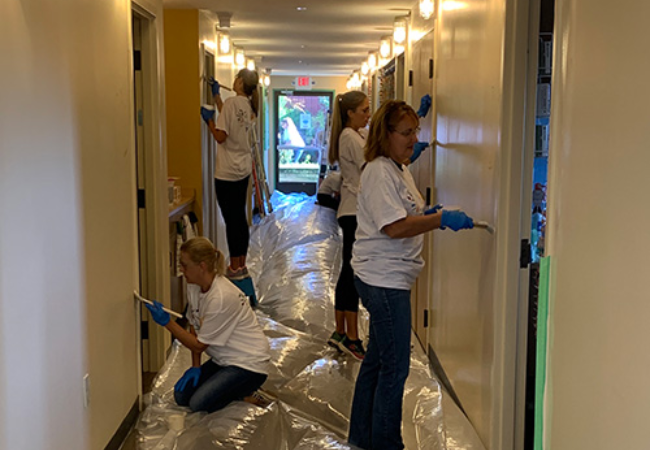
point(480, 224)
point(149, 302)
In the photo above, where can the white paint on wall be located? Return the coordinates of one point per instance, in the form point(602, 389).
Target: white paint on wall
point(598, 360)
point(67, 228)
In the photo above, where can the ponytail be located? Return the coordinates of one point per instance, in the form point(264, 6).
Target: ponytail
point(342, 104)
point(251, 81)
point(201, 249)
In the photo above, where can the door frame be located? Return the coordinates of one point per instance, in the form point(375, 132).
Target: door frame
point(508, 407)
point(293, 187)
point(155, 185)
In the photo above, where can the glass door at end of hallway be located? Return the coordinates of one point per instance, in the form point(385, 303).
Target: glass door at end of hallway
point(301, 133)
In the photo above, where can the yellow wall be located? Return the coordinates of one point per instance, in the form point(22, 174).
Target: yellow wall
point(183, 100)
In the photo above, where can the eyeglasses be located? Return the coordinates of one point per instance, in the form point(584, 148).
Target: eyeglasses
point(408, 133)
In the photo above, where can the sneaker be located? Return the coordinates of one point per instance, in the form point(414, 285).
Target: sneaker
point(335, 339)
point(353, 348)
point(238, 274)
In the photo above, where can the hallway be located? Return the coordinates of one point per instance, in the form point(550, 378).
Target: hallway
point(295, 259)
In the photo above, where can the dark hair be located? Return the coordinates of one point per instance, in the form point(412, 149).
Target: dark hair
point(251, 81)
point(343, 103)
point(389, 114)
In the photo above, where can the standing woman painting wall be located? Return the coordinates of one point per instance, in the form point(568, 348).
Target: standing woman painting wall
point(234, 163)
point(350, 115)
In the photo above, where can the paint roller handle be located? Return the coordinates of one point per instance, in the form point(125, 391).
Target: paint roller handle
point(149, 302)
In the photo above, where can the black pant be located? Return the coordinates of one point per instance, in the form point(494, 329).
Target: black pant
point(347, 298)
point(231, 196)
point(328, 201)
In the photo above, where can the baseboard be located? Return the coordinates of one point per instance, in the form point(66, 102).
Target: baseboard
point(436, 366)
point(123, 430)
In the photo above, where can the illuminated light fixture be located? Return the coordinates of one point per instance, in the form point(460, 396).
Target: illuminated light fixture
point(399, 29)
point(385, 47)
point(372, 60)
point(348, 84)
point(301, 8)
point(210, 45)
point(240, 58)
point(267, 80)
point(224, 42)
point(451, 5)
point(250, 64)
point(398, 49)
point(426, 9)
point(365, 68)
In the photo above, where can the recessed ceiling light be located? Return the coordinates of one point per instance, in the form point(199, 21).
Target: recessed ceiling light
point(301, 8)
point(299, 62)
point(302, 46)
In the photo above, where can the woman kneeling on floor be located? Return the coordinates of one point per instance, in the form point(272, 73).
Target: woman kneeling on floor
point(223, 325)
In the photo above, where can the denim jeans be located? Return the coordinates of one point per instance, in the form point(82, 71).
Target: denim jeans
point(376, 418)
point(218, 386)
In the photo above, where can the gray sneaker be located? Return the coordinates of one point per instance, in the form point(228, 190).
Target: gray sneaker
point(353, 348)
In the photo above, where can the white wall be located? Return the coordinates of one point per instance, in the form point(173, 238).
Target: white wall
point(470, 290)
point(67, 228)
point(41, 243)
point(598, 239)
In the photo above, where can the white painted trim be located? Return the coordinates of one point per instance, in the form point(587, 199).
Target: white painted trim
point(515, 62)
point(155, 154)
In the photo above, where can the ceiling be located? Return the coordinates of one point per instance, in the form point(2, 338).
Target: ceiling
point(330, 37)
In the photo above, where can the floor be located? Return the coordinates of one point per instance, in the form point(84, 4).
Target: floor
point(294, 260)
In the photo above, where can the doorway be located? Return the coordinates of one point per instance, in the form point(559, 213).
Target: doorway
point(301, 120)
point(533, 240)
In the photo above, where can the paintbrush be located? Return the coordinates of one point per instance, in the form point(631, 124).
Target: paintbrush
point(149, 302)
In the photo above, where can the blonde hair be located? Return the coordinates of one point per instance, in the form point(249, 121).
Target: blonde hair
point(201, 249)
point(342, 104)
point(389, 114)
point(251, 85)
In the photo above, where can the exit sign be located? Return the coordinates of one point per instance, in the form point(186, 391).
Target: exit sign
point(303, 83)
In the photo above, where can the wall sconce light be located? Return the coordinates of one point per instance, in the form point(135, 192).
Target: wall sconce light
point(426, 9)
point(240, 58)
point(250, 64)
point(372, 60)
point(267, 80)
point(386, 47)
point(399, 29)
point(224, 42)
point(365, 68)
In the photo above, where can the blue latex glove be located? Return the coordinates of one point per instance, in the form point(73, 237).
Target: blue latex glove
point(191, 375)
point(215, 86)
point(433, 210)
point(456, 220)
point(207, 114)
point(159, 316)
point(425, 105)
point(417, 150)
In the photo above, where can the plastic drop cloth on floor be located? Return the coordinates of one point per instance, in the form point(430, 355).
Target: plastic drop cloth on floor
point(295, 259)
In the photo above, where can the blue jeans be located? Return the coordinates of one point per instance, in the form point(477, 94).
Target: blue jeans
point(218, 386)
point(376, 418)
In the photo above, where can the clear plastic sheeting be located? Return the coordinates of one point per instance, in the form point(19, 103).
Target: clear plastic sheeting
point(295, 259)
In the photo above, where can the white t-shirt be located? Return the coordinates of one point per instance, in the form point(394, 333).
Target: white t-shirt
point(331, 184)
point(224, 320)
point(351, 145)
point(387, 194)
point(234, 157)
